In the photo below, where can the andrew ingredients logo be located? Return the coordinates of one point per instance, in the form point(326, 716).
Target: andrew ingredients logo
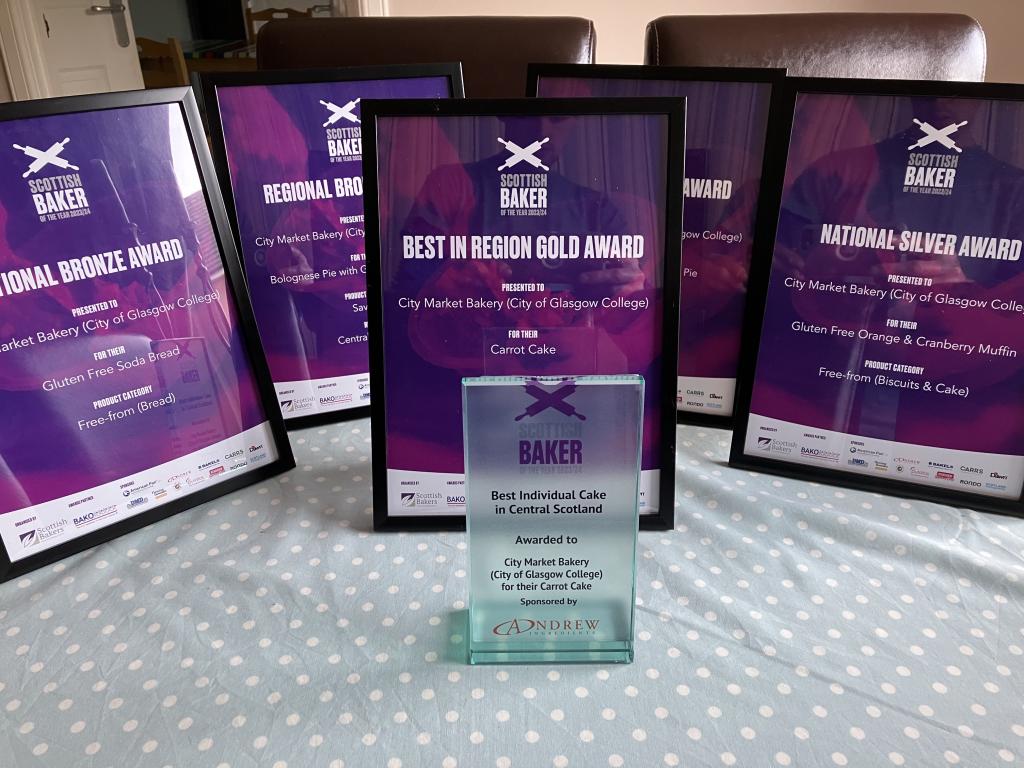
point(546, 626)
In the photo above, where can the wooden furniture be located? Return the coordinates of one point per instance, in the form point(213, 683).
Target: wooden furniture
point(494, 50)
point(912, 46)
point(220, 56)
point(163, 64)
point(271, 14)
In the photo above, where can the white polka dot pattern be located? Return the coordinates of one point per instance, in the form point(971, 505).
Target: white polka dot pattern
point(781, 624)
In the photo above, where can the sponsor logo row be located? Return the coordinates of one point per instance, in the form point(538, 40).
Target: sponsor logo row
point(862, 457)
point(137, 495)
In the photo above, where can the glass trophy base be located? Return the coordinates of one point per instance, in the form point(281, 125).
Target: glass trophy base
point(552, 473)
point(620, 652)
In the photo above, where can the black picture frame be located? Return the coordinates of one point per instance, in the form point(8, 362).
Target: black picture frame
point(675, 111)
point(211, 81)
point(773, 77)
point(183, 98)
point(759, 280)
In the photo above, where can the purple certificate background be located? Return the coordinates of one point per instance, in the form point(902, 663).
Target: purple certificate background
point(146, 152)
point(276, 133)
point(725, 137)
point(439, 175)
point(846, 165)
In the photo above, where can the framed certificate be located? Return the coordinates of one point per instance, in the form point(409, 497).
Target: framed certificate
point(533, 237)
point(288, 145)
point(132, 383)
point(884, 349)
point(729, 115)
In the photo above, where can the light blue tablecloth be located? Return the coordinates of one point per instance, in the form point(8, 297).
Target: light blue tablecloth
point(780, 624)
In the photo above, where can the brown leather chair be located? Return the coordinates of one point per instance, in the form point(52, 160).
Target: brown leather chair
point(917, 46)
point(494, 50)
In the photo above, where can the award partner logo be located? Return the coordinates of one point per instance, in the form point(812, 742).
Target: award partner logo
point(931, 172)
point(345, 143)
point(555, 442)
point(523, 194)
point(58, 195)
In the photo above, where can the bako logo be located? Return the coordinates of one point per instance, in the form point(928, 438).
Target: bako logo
point(523, 194)
point(93, 517)
point(344, 143)
point(560, 626)
point(819, 453)
point(55, 196)
point(932, 172)
point(345, 397)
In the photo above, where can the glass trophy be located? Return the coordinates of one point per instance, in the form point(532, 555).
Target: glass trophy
point(552, 475)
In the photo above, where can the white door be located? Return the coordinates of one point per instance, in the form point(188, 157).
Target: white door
point(76, 46)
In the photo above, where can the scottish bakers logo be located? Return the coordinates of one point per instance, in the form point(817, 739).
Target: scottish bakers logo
point(344, 141)
point(55, 195)
point(43, 533)
point(933, 172)
point(297, 405)
point(523, 194)
point(417, 499)
point(775, 445)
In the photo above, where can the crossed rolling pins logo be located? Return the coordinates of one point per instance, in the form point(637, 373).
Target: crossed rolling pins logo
point(940, 135)
point(44, 157)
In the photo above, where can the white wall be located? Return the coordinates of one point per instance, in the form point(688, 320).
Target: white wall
point(620, 23)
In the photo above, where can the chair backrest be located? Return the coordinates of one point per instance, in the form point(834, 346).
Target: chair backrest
point(270, 14)
point(162, 64)
point(914, 46)
point(494, 50)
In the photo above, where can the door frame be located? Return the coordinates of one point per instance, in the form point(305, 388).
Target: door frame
point(21, 51)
